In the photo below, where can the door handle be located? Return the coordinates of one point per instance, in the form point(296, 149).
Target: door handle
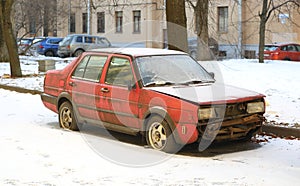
point(104, 90)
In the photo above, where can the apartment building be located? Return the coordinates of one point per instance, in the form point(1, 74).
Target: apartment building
point(143, 23)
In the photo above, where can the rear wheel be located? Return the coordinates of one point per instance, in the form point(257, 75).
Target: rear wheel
point(67, 117)
point(159, 135)
point(49, 53)
point(78, 52)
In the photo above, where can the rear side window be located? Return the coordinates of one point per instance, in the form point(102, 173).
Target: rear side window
point(79, 39)
point(298, 48)
point(90, 68)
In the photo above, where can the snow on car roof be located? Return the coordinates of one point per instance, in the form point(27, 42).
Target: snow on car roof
point(139, 51)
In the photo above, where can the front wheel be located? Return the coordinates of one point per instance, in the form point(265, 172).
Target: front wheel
point(67, 117)
point(159, 135)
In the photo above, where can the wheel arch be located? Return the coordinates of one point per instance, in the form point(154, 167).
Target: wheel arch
point(63, 97)
point(77, 49)
point(163, 113)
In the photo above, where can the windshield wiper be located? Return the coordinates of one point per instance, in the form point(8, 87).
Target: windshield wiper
point(159, 83)
point(196, 81)
point(192, 81)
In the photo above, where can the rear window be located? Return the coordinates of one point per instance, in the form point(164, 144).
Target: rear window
point(66, 40)
point(270, 48)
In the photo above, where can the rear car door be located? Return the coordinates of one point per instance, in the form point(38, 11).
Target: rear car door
point(85, 87)
point(119, 104)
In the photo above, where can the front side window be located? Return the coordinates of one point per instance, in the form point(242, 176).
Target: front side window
point(119, 21)
point(90, 68)
point(223, 19)
point(89, 39)
point(119, 72)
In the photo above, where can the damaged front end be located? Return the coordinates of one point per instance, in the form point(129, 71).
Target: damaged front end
point(231, 121)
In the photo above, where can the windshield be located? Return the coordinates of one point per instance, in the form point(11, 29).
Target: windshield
point(171, 70)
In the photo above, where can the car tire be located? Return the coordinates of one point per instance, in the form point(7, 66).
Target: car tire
point(67, 117)
point(78, 52)
point(49, 53)
point(159, 135)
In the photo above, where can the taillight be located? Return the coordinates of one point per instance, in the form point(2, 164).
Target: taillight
point(68, 47)
point(41, 46)
point(275, 55)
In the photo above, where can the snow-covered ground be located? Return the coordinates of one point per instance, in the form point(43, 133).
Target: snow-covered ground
point(35, 151)
point(278, 80)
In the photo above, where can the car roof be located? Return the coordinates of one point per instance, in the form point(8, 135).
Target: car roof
point(138, 52)
point(281, 44)
point(71, 35)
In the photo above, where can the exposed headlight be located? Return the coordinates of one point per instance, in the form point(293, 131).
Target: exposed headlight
point(206, 113)
point(255, 107)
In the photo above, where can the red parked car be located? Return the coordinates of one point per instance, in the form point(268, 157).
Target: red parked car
point(164, 95)
point(290, 52)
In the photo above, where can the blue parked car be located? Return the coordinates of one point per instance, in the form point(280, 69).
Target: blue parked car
point(49, 46)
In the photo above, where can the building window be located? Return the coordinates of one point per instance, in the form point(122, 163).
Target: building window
point(223, 19)
point(137, 21)
point(72, 23)
point(84, 22)
point(119, 21)
point(101, 22)
point(32, 27)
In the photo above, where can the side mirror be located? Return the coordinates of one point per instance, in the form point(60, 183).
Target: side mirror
point(212, 74)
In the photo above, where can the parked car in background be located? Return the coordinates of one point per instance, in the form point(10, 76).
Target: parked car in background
point(193, 47)
point(28, 46)
point(49, 46)
point(290, 52)
point(76, 44)
point(164, 95)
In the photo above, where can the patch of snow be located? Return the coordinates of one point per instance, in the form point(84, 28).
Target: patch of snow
point(35, 151)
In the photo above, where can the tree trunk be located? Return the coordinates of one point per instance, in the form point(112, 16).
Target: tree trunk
point(201, 17)
point(262, 30)
point(176, 23)
point(3, 49)
point(9, 37)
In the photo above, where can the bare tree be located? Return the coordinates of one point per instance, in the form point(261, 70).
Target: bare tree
point(176, 25)
point(268, 9)
point(201, 23)
point(7, 33)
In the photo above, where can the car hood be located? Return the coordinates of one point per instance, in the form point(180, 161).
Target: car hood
point(209, 93)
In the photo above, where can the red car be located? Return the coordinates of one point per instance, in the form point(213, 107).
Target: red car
point(164, 95)
point(290, 52)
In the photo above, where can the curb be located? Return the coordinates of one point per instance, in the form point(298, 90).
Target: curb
point(278, 131)
point(281, 131)
point(20, 90)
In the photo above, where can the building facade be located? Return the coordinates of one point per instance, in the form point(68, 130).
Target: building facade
point(233, 25)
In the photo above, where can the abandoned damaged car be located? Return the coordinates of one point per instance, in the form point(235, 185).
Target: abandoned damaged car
point(164, 95)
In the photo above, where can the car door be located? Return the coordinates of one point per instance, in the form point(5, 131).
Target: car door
point(85, 86)
point(119, 104)
point(296, 53)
